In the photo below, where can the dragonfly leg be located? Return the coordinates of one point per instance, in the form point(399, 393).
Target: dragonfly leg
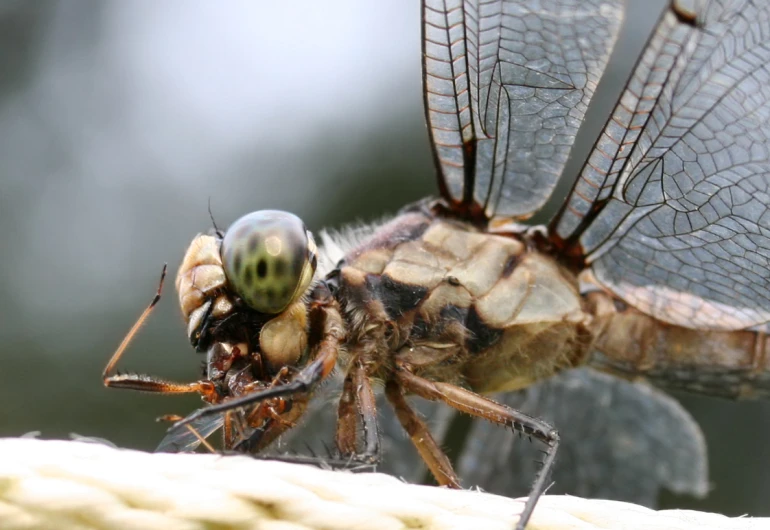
point(134, 330)
point(147, 383)
point(418, 432)
point(476, 405)
point(357, 404)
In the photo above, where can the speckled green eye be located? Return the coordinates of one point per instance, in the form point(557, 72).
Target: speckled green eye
point(269, 259)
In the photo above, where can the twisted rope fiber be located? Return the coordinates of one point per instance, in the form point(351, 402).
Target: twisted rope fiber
point(75, 485)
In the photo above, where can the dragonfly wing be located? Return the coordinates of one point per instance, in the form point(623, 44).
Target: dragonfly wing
point(506, 85)
point(619, 440)
point(671, 209)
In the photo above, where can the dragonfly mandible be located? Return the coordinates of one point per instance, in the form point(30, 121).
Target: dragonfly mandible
point(655, 266)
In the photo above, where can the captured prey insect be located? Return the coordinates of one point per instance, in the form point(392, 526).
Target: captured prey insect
point(655, 266)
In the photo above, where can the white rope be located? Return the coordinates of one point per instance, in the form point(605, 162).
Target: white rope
point(84, 486)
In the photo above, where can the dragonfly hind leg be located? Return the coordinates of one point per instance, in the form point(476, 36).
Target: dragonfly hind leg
point(471, 403)
point(418, 432)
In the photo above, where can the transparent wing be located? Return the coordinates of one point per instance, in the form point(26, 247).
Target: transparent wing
point(619, 440)
point(671, 209)
point(506, 87)
point(183, 440)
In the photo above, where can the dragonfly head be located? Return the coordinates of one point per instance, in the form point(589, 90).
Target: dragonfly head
point(262, 267)
point(244, 298)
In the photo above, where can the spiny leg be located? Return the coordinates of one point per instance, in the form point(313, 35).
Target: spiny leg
point(476, 405)
point(418, 432)
point(346, 435)
point(357, 403)
point(134, 329)
point(146, 383)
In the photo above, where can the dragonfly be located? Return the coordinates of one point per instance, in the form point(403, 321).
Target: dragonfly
point(654, 266)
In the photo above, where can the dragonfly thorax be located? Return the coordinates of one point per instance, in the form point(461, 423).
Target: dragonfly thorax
point(460, 305)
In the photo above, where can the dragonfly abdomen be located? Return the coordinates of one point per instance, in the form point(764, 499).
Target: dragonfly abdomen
point(631, 344)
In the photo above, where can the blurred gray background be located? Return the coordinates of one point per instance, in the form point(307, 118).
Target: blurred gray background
point(119, 121)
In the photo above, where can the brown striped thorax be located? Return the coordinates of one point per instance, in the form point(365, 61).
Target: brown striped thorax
point(461, 305)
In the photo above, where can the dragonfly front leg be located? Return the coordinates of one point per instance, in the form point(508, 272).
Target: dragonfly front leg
point(476, 405)
point(146, 383)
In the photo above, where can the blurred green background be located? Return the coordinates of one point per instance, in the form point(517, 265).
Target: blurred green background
point(119, 121)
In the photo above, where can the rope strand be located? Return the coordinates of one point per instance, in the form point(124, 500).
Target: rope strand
point(72, 485)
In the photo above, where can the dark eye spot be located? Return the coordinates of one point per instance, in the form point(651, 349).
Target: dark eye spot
point(270, 295)
point(262, 268)
point(253, 243)
point(280, 268)
point(248, 278)
point(238, 263)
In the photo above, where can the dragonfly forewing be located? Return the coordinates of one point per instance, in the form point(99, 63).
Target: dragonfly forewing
point(671, 210)
point(507, 85)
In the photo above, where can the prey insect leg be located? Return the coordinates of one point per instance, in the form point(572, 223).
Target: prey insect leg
point(134, 329)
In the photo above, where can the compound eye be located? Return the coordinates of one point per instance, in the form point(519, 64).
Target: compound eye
point(269, 259)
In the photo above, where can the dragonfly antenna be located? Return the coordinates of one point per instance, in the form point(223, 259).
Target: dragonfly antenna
point(213, 222)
